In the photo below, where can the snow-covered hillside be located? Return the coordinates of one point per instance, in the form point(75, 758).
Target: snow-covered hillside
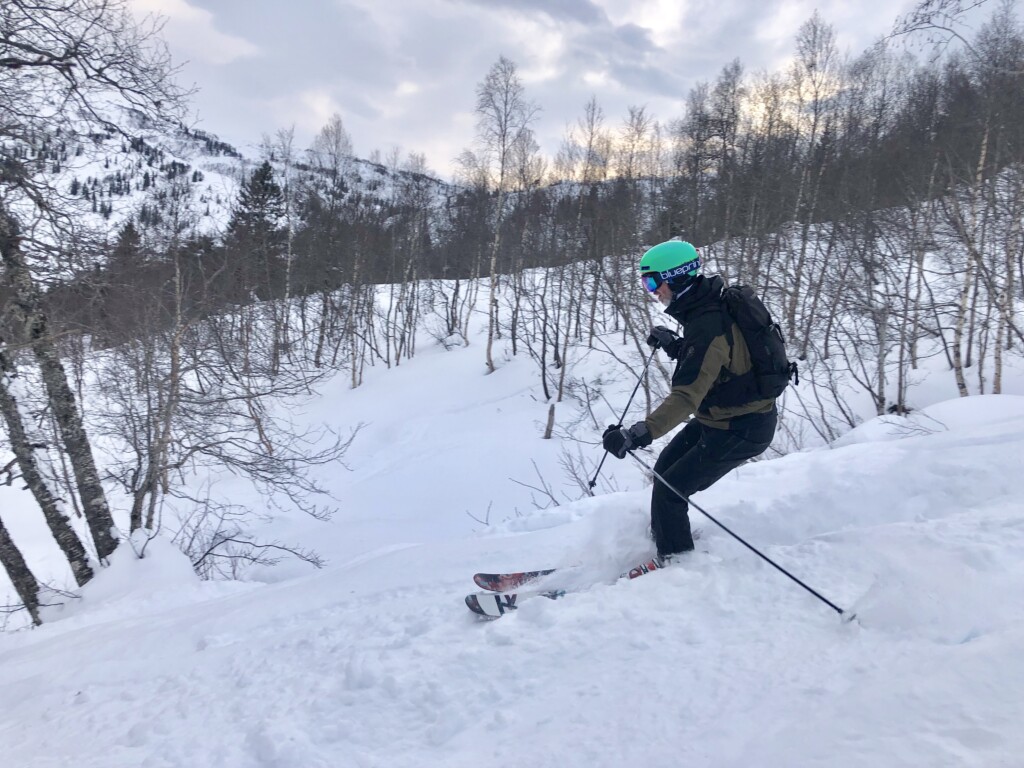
point(916, 524)
point(161, 175)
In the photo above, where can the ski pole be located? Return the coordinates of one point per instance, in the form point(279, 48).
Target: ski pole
point(847, 617)
point(624, 412)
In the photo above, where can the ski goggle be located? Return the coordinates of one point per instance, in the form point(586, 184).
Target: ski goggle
point(652, 280)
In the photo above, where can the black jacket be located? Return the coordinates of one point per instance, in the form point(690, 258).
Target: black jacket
point(713, 352)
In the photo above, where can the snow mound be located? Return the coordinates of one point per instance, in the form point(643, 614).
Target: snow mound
point(144, 577)
point(977, 411)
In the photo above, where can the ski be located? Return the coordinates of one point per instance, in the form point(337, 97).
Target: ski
point(495, 604)
point(651, 565)
point(506, 582)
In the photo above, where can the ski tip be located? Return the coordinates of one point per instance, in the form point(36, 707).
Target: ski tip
point(484, 580)
point(506, 582)
point(473, 603)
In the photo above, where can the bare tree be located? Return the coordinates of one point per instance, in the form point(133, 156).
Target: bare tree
point(324, 195)
point(941, 22)
point(331, 150)
point(73, 68)
point(504, 116)
point(814, 78)
point(282, 149)
point(27, 316)
point(29, 452)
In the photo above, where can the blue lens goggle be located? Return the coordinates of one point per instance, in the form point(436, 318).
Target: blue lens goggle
point(651, 281)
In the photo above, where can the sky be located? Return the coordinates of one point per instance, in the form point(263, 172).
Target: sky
point(404, 73)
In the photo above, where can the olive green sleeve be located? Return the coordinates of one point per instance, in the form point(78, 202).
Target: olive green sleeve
point(689, 389)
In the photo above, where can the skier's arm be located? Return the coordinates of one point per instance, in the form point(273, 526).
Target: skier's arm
point(699, 367)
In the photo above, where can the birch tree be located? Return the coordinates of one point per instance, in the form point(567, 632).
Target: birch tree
point(504, 116)
point(73, 68)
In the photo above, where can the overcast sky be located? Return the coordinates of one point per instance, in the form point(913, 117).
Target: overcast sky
point(404, 72)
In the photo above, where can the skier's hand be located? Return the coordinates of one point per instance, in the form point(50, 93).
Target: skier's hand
point(662, 338)
point(640, 435)
point(619, 441)
point(616, 441)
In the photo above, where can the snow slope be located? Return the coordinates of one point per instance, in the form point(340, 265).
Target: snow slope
point(916, 524)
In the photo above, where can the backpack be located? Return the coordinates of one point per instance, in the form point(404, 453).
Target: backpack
point(771, 369)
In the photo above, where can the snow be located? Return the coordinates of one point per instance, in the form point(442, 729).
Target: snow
point(916, 524)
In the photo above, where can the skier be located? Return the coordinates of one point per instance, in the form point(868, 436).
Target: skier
point(714, 378)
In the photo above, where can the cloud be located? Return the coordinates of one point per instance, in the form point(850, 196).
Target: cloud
point(582, 11)
point(405, 74)
point(191, 33)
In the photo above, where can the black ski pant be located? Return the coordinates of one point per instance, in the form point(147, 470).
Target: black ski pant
point(694, 460)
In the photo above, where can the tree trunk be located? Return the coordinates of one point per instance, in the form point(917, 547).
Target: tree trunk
point(492, 297)
point(28, 313)
point(21, 445)
point(21, 577)
point(969, 234)
point(550, 426)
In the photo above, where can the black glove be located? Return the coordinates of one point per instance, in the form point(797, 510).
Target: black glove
point(662, 338)
point(619, 441)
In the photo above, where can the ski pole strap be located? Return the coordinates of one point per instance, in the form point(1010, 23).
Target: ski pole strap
point(846, 616)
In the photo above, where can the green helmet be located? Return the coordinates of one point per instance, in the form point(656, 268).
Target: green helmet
point(675, 262)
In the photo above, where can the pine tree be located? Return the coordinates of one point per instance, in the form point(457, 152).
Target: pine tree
point(260, 204)
point(255, 238)
point(126, 253)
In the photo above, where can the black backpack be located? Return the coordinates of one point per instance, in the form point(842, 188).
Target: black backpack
point(771, 369)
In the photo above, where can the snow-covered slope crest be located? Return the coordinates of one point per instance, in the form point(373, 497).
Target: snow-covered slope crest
point(172, 174)
point(716, 661)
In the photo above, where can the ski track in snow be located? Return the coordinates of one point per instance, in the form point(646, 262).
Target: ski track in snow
point(717, 661)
